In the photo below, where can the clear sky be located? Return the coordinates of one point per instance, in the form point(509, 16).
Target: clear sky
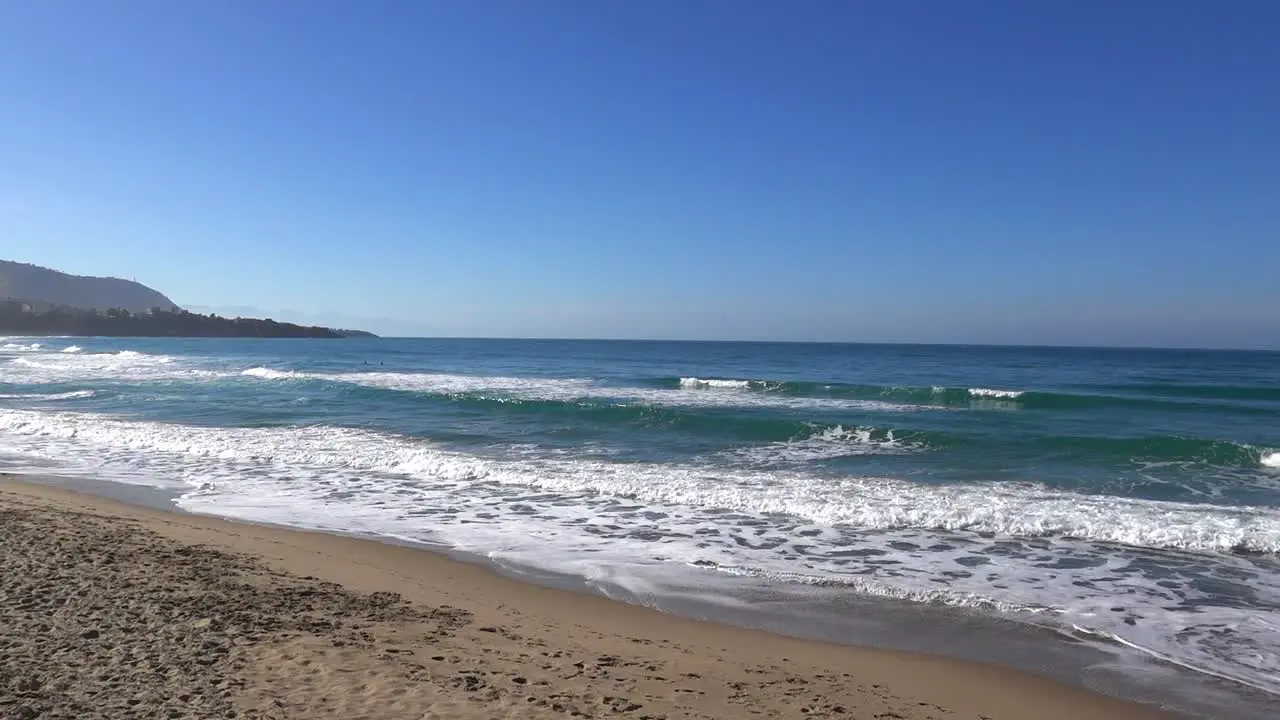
point(944, 171)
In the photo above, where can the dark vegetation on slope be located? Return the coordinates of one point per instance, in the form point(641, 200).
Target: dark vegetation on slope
point(44, 287)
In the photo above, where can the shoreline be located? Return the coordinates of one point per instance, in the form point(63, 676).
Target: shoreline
point(584, 647)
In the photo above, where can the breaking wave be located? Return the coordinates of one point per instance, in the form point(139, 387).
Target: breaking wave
point(989, 393)
point(1022, 509)
point(693, 382)
point(72, 395)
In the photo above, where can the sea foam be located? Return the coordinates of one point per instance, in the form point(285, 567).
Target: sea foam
point(1020, 509)
point(591, 390)
point(131, 365)
point(693, 382)
point(989, 393)
point(828, 443)
point(1003, 546)
point(72, 395)
point(269, 374)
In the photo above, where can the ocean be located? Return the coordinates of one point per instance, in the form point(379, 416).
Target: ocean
point(1125, 498)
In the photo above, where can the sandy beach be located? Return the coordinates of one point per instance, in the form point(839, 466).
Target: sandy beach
point(116, 611)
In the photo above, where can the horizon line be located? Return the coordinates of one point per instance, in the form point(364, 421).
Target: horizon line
point(1173, 348)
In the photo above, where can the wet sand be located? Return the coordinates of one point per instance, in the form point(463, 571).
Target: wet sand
point(116, 611)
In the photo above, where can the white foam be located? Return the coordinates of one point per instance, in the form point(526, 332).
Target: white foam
point(269, 374)
point(1271, 460)
point(316, 447)
point(989, 393)
point(134, 355)
point(833, 442)
point(530, 388)
point(20, 347)
point(1025, 510)
point(136, 366)
point(586, 389)
point(72, 395)
point(609, 521)
point(72, 349)
point(866, 586)
point(1015, 509)
point(686, 397)
point(56, 367)
point(693, 382)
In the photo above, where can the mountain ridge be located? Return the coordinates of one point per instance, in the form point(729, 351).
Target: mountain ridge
point(36, 284)
point(36, 300)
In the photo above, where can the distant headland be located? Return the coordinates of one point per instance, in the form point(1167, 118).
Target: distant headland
point(39, 301)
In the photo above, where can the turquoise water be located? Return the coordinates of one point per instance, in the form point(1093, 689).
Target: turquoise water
point(1122, 496)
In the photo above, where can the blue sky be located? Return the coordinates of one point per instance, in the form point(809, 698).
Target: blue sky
point(1011, 172)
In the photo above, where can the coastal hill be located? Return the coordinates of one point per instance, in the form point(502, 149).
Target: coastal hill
point(42, 286)
point(18, 318)
point(39, 301)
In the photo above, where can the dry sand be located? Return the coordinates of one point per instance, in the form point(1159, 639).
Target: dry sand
point(115, 611)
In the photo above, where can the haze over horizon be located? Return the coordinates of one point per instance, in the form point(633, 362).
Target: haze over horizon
point(1007, 173)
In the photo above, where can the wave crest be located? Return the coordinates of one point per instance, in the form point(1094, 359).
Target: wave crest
point(1018, 509)
point(827, 444)
point(269, 374)
point(700, 383)
point(989, 393)
point(72, 395)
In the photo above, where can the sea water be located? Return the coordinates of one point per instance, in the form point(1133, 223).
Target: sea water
point(1127, 497)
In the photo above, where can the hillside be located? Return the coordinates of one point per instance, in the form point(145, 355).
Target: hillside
point(17, 319)
point(36, 284)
